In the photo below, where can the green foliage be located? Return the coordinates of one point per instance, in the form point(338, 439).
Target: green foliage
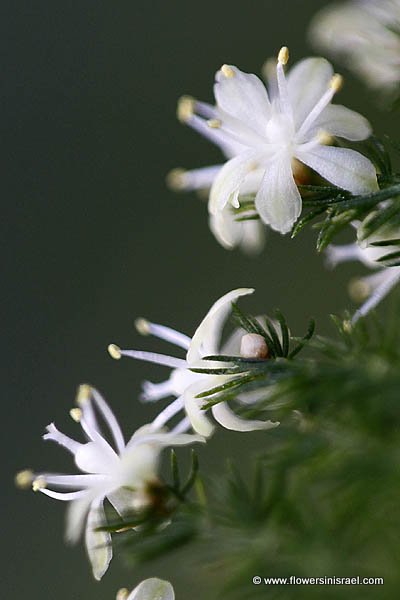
point(340, 207)
point(323, 498)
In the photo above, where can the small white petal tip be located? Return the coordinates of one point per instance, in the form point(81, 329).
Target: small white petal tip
point(122, 594)
point(336, 83)
point(176, 179)
point(253, 345)
point(23, 479)
point(114, 351)
point(39, 484)
point(227, 71)
point(83, 394)
point(283, 56)
point(185, 109)
point(75, 414)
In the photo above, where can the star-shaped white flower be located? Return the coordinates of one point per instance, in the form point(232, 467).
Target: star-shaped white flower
point(122, 473)
point(149, 589)
point(266, 135)
point(371, 288)
point(186, 384)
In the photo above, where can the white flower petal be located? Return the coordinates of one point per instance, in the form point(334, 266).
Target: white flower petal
point(345, 168)
point(76, 516)
point(122, 500)
point(198, 417)
point(153, 589)
point(208, 334)
point(249, 235)
point(226, 186)
point(278, 201)
point(228, 419)
point(98, 543)
point(243, 96)
point(343, 122)
point(96, 457)
point(307, 81)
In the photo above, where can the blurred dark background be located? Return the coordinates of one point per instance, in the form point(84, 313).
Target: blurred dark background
point(92, 238)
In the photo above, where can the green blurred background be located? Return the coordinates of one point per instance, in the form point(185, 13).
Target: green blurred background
point(93, 238)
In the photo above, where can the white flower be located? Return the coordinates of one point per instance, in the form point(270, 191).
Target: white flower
point(149, 589)
point(366, 34)
point(122, 473)
point(372, 288)
point(265, 137)
point(184, 383)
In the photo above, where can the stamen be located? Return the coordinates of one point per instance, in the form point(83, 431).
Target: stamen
point(158, 359)
point(39, 484)
point(84, 393)
point(155, 391)
point(24, 479)
point(391, 279)
point(114, 351)
point(227, 71)
point(122, 594)
point(185, 109)
point(359, 290)
point(167, 414)
point(324, 138)
point(176, 179)
point(336, 83)
point(76, 414)
point(214, 123)
point(142, 326)
point(283, 56)
point(110, 420)
point(284, 100)
point(182, 426)
point(334, 86)
point(168, 334)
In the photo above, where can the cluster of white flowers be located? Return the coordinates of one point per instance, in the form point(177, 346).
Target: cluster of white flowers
point(268, 137)
point(366, 34)
point(273, 140)
point(126, 473)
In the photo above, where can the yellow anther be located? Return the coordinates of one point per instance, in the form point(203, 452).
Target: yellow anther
point(114, 351)
point(185, 108)
point(23, 479)
point(142, 326)
point(39, 484)
point(76, 414)
point(122, 594)
point(227, 71)
point(268, 69)
point(283, 55)
point(359, 290)
point(84, 393)
point(336, 83)
point(325, 138)
point(176, 179)
point(214, 123)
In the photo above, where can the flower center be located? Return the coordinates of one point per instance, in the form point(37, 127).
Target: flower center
point(279, 131)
